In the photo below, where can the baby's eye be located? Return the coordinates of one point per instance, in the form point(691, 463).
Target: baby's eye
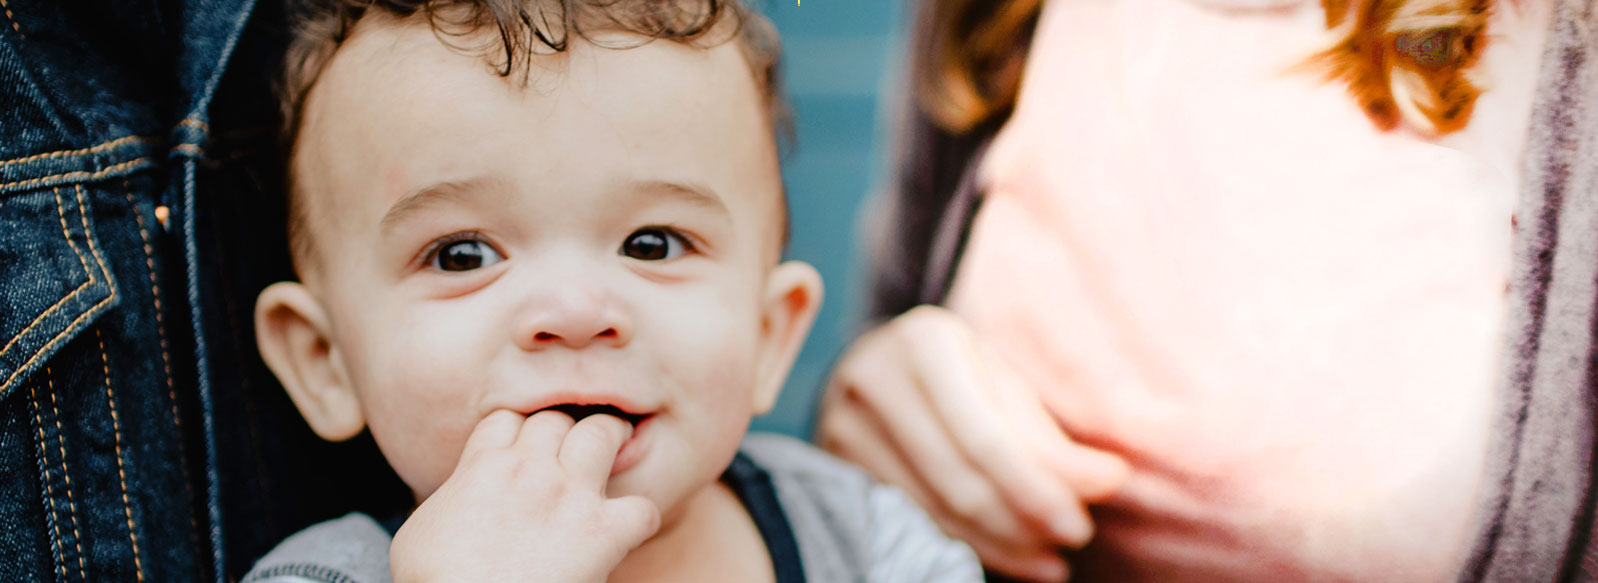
point(465, 255)
point(654, 244)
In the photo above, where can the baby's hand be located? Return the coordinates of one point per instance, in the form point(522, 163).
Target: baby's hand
point(526, 503)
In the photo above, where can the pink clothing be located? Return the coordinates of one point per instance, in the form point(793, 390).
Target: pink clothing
point(1288, 322)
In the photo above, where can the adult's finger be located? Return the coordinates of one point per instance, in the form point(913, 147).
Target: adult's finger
point(1092, 474)
point(846, 432)
point(961, 392)
point(590, 449)
point(1095, 475)
point(906, 421)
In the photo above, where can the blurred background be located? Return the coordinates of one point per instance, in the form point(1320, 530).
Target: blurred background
point(840, 58)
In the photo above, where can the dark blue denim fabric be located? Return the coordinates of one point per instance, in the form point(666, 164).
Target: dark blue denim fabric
point(141, 438)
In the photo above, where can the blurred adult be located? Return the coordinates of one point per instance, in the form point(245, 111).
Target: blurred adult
point(1279, 290)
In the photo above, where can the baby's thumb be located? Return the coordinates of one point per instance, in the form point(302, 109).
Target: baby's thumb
point(631, 519)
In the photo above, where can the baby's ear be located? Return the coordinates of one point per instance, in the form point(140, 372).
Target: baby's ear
point(292, 331)
point(793, 296)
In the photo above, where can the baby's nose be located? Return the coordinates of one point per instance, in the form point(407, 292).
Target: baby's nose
point(575, 323)
point(574, 339)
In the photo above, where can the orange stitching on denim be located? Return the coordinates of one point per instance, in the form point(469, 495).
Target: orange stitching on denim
point(88, 233)
point(13, 20)
point(49, 491)
point(65, 153)
point(65, 236)
point(61, 213)
point(189, 149)
point(166, 361)
point(189, 121)
point(78, 174)
point(155, 292)
point(66, 475)
point(122, 476)
point(108, 299)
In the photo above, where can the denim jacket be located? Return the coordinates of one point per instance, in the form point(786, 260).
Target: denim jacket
point(141, 438)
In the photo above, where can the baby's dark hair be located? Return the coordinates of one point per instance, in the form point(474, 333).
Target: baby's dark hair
point(523, 28)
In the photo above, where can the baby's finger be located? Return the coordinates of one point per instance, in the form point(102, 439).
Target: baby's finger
point(542, 433)
point(590, 449)
point(497, 429)
point(632, 519)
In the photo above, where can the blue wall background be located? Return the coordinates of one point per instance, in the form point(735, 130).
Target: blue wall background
point(840, 56)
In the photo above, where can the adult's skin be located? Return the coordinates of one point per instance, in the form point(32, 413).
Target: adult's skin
point(1208, 262)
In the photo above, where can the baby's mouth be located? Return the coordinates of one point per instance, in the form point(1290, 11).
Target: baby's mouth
point(580, 412)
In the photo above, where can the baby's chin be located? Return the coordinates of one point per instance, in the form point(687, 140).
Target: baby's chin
point(660, 478)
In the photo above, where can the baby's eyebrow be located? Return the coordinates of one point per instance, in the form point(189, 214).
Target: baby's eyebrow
point(689, 193)
point(417, 200)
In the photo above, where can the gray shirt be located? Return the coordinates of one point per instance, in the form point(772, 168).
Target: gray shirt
point(848, 528)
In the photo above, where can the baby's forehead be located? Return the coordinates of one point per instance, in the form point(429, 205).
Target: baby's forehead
point(398, 111)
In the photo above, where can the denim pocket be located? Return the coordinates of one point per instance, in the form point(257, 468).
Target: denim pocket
point(54, 280)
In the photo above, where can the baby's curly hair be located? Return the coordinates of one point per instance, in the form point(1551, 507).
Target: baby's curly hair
point(522, 29)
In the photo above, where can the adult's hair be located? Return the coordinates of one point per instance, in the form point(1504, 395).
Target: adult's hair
point(1404, 61)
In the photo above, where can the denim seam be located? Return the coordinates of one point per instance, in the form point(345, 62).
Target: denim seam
point(66, 478)
point(166, 359)
point(79, 174)
point(122, 476)
point(13, 20)
point(209, 91)
point(49, 490)
point(155, 293)
point(80, 152)
point(88, 233)
point(66, 235)
point(72, 326)
point(202, 373)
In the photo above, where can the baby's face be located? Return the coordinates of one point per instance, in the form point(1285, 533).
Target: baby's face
point(607, 234)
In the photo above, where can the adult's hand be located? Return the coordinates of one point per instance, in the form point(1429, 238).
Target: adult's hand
point(922, 406)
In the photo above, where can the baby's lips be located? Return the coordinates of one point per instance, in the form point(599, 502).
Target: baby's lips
point(578, 412)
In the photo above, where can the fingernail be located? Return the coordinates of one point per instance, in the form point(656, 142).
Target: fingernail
point(1071, 530)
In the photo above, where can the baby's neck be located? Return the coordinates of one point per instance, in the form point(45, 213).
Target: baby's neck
point(713, 539)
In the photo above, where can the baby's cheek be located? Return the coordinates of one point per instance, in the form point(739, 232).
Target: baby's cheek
point(421, 411)
point(728, 384)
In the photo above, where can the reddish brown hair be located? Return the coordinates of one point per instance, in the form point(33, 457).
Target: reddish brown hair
point(1404, 61)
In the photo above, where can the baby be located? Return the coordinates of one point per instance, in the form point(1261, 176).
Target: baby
point(539, 248)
